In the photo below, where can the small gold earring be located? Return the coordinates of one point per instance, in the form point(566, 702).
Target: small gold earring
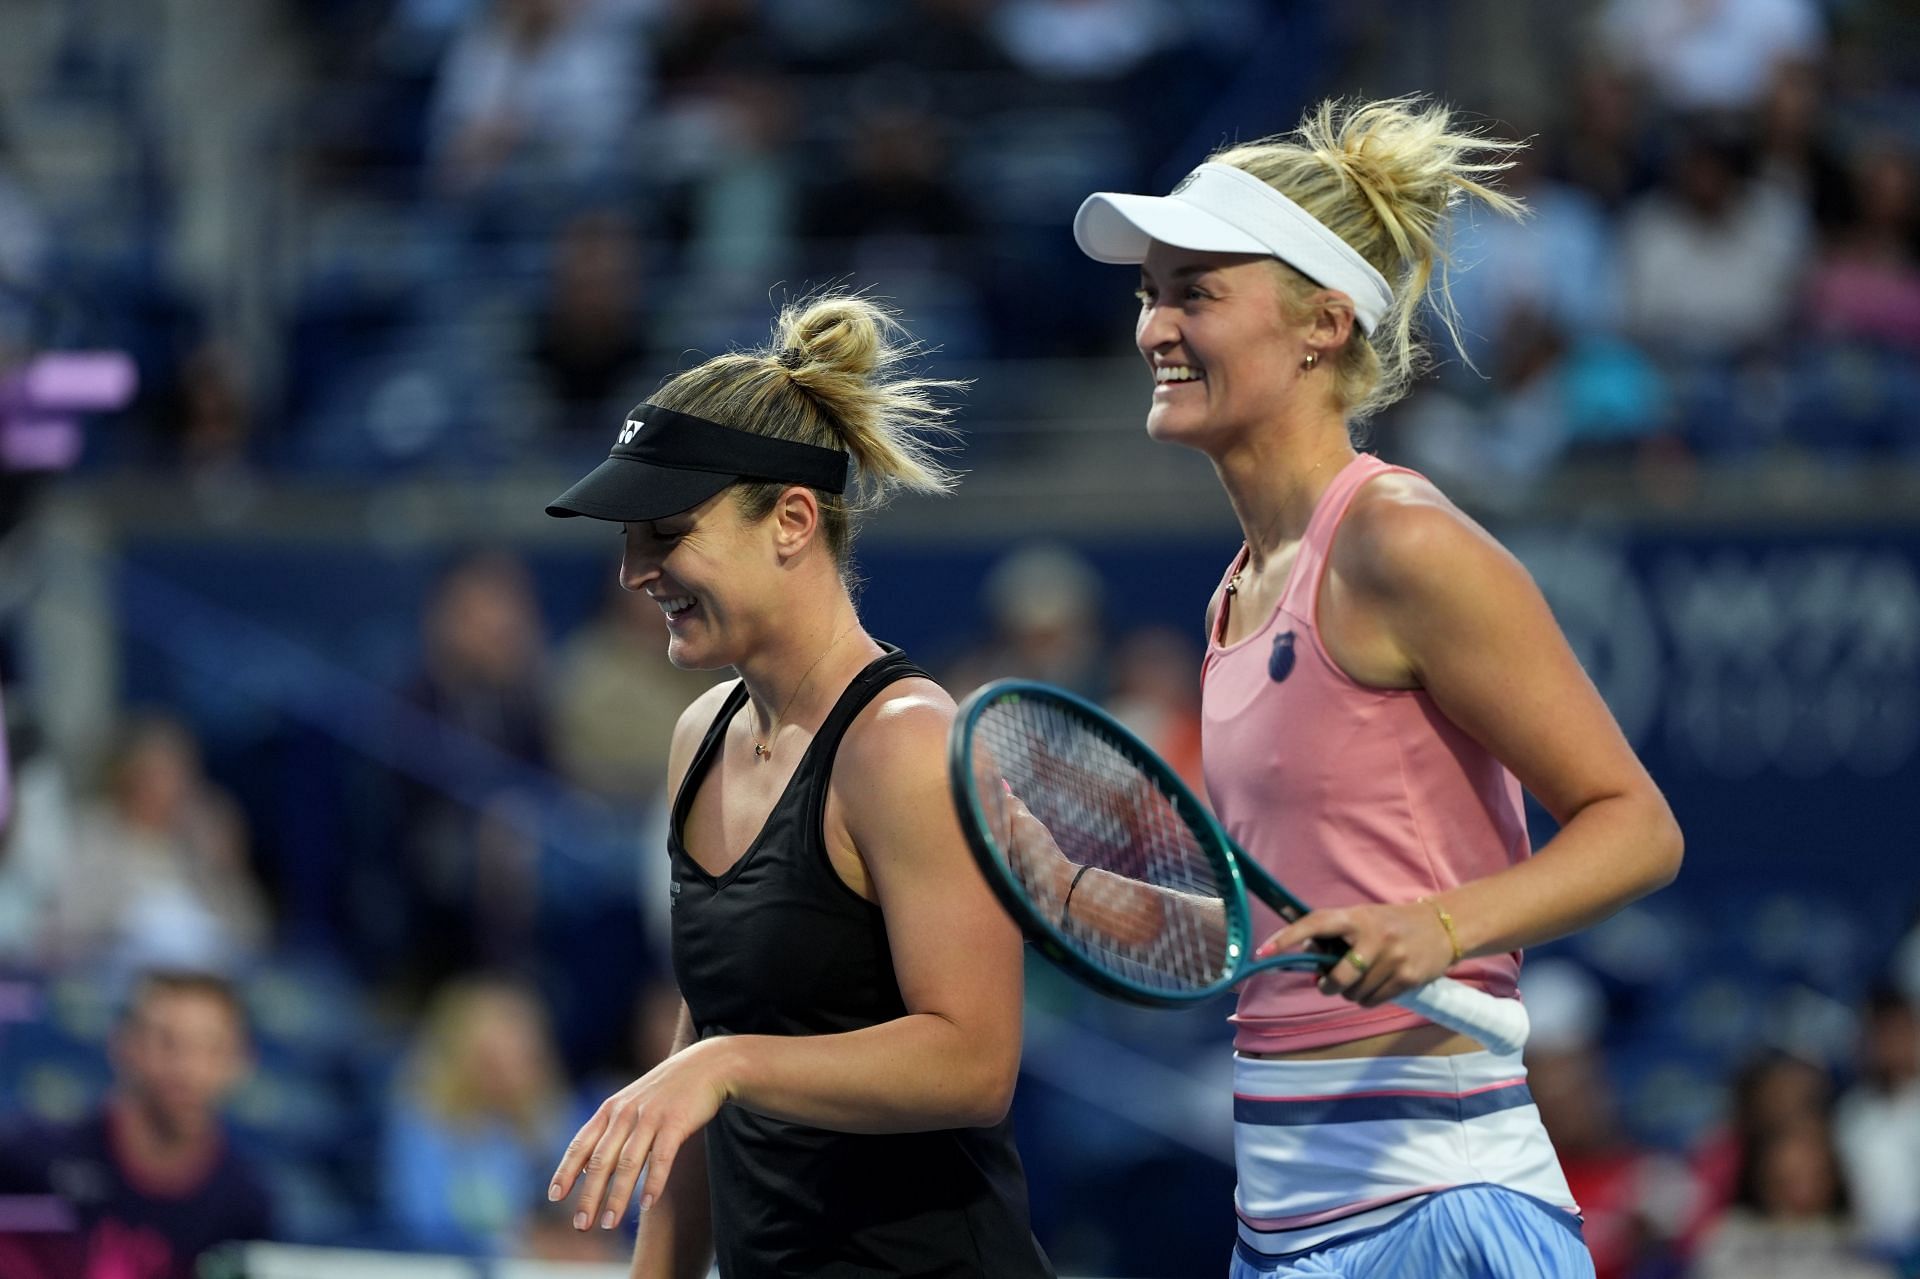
point(1313, 358)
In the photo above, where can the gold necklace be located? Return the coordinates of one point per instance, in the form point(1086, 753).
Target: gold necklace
point(764, 750)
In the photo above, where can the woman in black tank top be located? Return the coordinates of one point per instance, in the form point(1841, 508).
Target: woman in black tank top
point(836, 1100)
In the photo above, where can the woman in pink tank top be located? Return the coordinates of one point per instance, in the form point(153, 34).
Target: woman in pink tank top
point(1382, 678)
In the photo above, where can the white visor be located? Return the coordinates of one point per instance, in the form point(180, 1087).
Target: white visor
point(1220, 209)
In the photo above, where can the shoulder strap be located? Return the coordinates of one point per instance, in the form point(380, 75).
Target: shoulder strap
point(1302, 598)
point(889, 668)
point(703, 757)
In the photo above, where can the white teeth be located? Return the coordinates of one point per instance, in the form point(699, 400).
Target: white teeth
point(1175, 373)
point(678, 604)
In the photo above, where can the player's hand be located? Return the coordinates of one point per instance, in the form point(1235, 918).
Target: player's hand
point(642, 1127)
point(1391, 948)
point(1035, 859)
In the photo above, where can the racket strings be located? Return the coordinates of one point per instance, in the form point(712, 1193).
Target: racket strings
point(1100, 848)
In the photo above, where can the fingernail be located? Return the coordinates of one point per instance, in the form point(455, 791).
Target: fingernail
point(553, 1193)
point(579, 1221)
point(646, 1202)
point(606, 1220)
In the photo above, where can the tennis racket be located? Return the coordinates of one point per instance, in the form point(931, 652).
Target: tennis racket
point(1120, 875)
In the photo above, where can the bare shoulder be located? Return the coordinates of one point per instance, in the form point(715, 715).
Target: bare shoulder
point(899, 727)
point(890, 774)
point(1403, 534)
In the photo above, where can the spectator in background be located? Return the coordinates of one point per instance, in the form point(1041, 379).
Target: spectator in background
point(1774, 1091)
point(531, 92)
point(1713, 261)
point(1084, 39)
point(617, 698)
point(149, 1182)
point(1538, 307)
point(589, 335)
point(1877, 1127)
point(1600, 143)
point(1791, 1217)
point(896, 199)
point(952, 43)
point(470, 870)
point(1866, 287)
point(1632, 1200)
point(1794, 150)
point(1711, 55)
point(1559, 265)
point(1043, 604)
point(24, 240)
point(1154, 693)
point(208, 417)
point(159, 870)
point(480, 1108)
point(699, 40)
point(734, 205)
point(36, 831)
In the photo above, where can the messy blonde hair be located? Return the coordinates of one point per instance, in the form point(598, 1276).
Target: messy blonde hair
point(829, 377)
point(1381, 176)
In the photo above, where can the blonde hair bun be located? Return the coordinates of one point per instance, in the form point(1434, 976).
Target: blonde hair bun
point(842, 334)
point(831, 376)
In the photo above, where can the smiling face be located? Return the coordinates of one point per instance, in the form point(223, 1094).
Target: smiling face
point(713, 574)
point(1214, 332)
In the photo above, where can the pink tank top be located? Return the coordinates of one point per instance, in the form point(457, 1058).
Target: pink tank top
point(1345, 793)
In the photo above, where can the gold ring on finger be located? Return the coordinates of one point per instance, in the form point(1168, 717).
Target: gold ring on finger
point(1358, 961)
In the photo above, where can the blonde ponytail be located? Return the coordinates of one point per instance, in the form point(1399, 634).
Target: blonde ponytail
point(1382, 176)
point(830, 377)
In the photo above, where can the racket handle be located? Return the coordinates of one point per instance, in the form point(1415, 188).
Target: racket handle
point(1500, 1024)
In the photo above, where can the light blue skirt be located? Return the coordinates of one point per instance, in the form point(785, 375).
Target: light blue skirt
point(1469, 1232)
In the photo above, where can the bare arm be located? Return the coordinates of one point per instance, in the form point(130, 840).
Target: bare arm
point(678, 1242)
point(1113, 909)
point(676, 1238)
point(950, 1061)
point(1460, 617)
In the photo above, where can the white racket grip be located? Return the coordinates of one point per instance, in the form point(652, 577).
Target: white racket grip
point(1500, 1024)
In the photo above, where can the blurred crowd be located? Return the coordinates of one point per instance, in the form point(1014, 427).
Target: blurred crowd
point(458, 233)
point(357, 986)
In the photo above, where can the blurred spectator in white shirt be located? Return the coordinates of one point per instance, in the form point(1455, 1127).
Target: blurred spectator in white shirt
point(158, 872)
point(535, 89)
point(1084, 39)
point(1713, 261)
point(1877, 1126)
point(1711, 54)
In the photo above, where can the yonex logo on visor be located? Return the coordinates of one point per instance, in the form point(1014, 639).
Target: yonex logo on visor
point(1218, 208)
point(666, 462)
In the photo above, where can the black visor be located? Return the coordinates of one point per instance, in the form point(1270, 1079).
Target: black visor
point(666, 462)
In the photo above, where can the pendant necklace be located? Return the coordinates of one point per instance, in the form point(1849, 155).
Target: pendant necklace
point(764, 750)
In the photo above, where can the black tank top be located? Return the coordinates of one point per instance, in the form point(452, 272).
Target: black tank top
point(780, 945)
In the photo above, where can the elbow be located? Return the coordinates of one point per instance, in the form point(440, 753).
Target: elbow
point(1668, 846)
point(991, 1096)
